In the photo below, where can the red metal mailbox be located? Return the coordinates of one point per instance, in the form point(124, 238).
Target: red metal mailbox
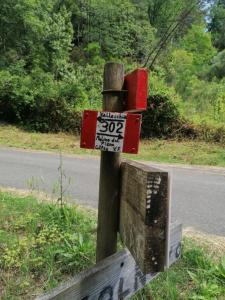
point(136, 83)
point(110, 131)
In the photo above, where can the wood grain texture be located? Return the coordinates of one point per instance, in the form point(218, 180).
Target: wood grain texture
point(109, 184)
point(144, 214)
point(113, 81)
point(116, 277)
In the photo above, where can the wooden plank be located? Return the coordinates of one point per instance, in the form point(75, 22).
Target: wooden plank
point(116, 277)
point(144, 214)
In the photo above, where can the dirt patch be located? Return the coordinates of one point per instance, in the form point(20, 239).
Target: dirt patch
point(45, 197)
point(41, 196)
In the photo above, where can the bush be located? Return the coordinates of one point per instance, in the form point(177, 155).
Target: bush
point(54, 115)
point(161, 117)
point(39, 102)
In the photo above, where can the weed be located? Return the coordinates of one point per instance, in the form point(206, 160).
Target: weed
point(63, 183)
point(35, 183)
point(60, 187)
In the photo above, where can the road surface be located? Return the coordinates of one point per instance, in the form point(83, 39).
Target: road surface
point(198, 194)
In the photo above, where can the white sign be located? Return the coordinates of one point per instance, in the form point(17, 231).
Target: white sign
point(110, 131)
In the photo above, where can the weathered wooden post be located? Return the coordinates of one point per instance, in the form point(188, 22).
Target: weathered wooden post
point(108, 207)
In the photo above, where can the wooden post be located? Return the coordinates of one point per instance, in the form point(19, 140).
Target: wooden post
point(108, 207)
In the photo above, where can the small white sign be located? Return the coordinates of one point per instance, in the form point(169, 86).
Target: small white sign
point(110, 131)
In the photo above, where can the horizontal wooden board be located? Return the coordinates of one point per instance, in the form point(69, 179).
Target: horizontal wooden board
point(116, 277)
point(144, 214)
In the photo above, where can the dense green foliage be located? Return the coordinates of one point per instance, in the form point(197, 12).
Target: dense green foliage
point(217, 24)
point(161, 117)
point(52, 55)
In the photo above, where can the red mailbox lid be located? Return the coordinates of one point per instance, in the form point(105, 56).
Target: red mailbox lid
point(136, 83)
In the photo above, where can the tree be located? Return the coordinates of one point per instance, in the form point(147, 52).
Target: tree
point(163, 13)
point(199, 43)
point(34, 34)
point(191, 60)
point(177, 17)
point(217, 24)
point(120, 28)
point(181, 70)
point(217, 69)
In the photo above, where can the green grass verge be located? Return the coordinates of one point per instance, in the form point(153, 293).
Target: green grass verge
point(42, 245)
point(198, 275)
point(172, 151)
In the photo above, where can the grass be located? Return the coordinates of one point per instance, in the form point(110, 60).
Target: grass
point(172, 151)
point(185, 152)
point(198, 275)
point(42, 245)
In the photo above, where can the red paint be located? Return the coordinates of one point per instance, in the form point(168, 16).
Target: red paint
point(132, 134)
point(136, 83)
point(88, 129)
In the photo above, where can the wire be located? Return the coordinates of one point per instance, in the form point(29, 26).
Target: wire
point(171, 29)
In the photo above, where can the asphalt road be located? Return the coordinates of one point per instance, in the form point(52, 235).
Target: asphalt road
point(198, 194)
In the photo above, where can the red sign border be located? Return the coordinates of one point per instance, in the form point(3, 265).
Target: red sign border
point(131, 136)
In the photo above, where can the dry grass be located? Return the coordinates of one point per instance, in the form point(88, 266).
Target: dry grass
point(172, 151)
point(214, 244)
point(13, 136)
point(41, 196)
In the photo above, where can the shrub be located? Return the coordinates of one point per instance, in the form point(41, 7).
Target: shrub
point(161, 117)
point(39, 102)
point(54, 115)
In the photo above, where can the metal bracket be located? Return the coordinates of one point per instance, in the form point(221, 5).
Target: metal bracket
point(119, 92)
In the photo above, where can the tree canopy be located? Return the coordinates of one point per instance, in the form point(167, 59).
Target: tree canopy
point(52, 54)
point(217, 24)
